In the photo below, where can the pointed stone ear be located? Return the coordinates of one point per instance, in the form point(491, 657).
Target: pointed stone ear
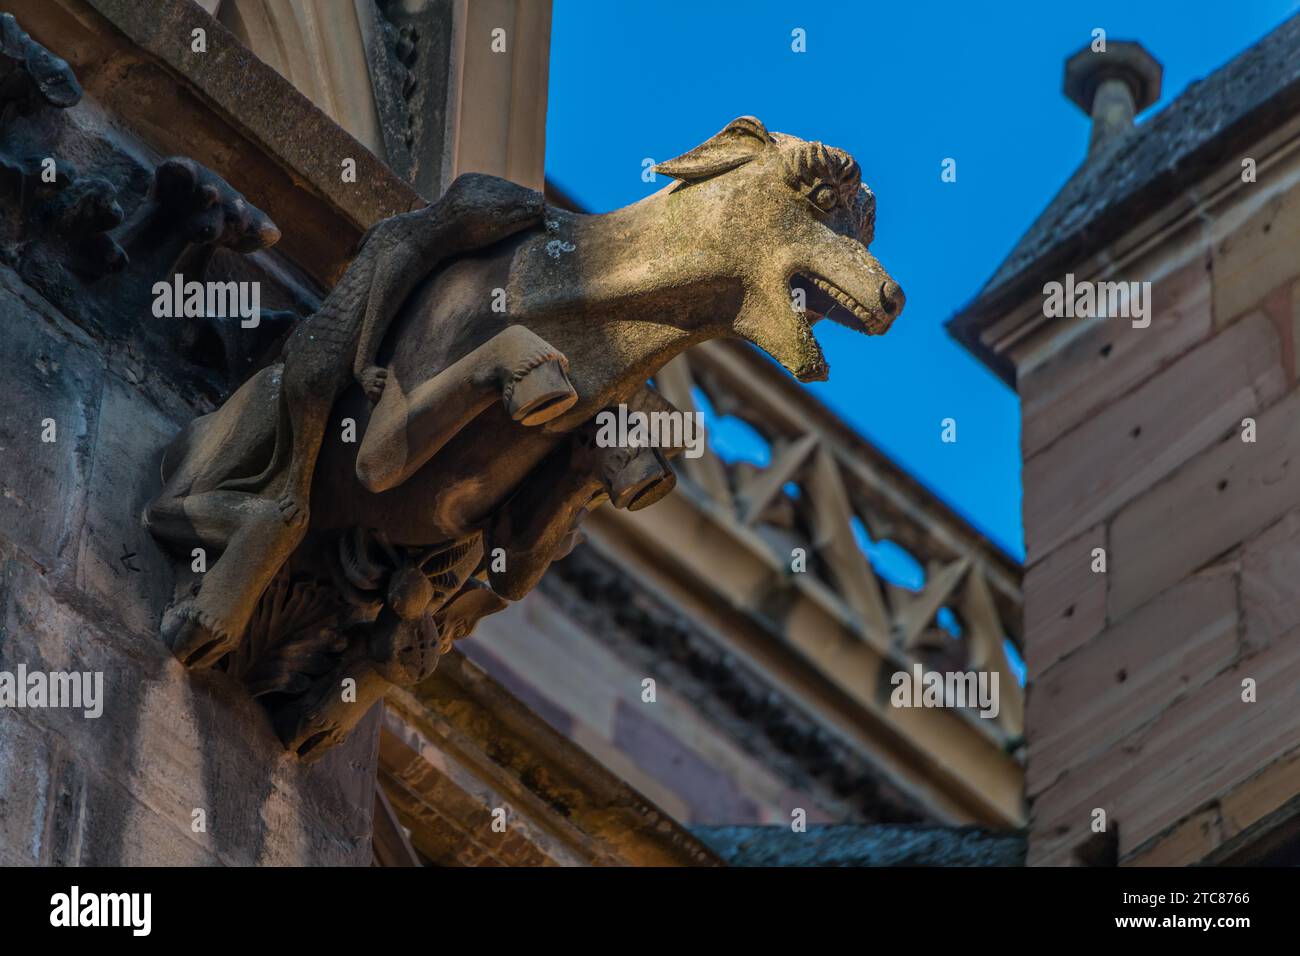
point(742, 140)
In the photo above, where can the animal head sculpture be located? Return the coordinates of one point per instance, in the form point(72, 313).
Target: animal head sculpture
point(787, 213)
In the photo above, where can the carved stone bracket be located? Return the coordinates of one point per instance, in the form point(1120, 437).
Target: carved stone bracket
point(429, 441)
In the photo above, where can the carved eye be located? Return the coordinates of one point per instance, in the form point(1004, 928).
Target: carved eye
point(823, 197)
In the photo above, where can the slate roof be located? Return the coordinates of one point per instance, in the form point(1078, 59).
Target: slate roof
point(864, 845)
point(1136, 174)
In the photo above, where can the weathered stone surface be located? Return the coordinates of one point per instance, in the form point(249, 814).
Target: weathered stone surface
point(1065, 601)
point(1257, 256)
point(458, 746)
point(1111, 357)
point(1199, 748)
point(1167, 649)
point(80, 590)
point(1088, 473)
point(123, 788)
point(1241, 827)
point(1188, 842)
point(1225, 494)
point(710, 794)
point(1270, 570)
point(50, 372)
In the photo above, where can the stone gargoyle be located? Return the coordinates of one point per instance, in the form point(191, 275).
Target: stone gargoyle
point(425, 446)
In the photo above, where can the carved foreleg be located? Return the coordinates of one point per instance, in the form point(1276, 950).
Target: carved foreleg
point(476, 211)
point(322, 717)
point(406, 430)
point(637, 477)
point(538, 525)
point(396, 650)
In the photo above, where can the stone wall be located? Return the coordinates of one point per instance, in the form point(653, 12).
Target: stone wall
point(179, 767)
point(82, 588)
point(1133, 443)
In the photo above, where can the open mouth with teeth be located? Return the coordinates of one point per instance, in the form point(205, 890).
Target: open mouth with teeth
point(833, 302)
point(784, 331)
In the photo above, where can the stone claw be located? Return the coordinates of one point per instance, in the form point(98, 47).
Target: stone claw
point(196, 639)
point(373, 378)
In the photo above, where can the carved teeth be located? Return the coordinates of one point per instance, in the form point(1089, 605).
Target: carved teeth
point(861, 313)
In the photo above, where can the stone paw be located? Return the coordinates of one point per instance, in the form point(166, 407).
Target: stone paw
point(306, 731)
point(196, 638)
point(293, 510)
point(640, 480)
point(540, 394)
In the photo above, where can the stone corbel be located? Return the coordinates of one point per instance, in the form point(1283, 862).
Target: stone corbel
point(422, 451)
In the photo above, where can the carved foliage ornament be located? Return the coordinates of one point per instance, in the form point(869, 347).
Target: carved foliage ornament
point(344, 566)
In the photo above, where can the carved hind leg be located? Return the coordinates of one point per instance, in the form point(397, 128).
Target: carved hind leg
point(254, 541)
point(536, 526)
point(309, 415)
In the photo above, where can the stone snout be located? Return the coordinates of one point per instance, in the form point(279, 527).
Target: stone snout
point(856, 291)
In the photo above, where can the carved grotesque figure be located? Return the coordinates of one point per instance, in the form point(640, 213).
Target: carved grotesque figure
point(469, 346)
point(31, 75)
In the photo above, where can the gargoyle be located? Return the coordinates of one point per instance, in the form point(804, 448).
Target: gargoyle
point(30, 75)
point(471, 345)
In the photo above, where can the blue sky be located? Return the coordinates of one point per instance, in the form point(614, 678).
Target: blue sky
point(901, 85)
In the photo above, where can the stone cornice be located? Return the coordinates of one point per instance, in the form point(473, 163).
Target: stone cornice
point(755, 712)
point(565, 806)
